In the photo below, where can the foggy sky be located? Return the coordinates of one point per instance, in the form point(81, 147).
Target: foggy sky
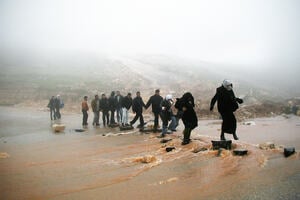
point(247, 32)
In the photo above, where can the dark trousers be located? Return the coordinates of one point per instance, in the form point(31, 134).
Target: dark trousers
point(136, 117)
point(85, 117)
point(105, 118)
point(112, 117)
point(57, 113)
point(52, 114)
point(119, 114)
point(156, 118)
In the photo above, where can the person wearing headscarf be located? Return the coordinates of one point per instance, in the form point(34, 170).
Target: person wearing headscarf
point(227, 105)
point(189, 118)
point(166, 114)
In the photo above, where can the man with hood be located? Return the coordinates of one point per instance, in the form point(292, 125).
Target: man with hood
point(155, 100)
point(137, 108)
point(227, 104)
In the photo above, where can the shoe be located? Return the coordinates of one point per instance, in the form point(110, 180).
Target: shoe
point(235, 137)
point(185, 142)
point(97, 124)
point(161, 136)
point(222, 137)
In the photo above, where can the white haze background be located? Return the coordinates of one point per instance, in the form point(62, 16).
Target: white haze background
point(259, 36)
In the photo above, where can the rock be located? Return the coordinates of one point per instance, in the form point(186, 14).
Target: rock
point(79, 130)
point(289, 151)
point(196, 150)
point(58, 127)
point(267, 146)
point(145, 159)
point(165, 140)
point(126, 128)
point(240, 152)
point(168, 149)
point(113, 125)
point(4, 155)
point(249, 123)
point(217, 144)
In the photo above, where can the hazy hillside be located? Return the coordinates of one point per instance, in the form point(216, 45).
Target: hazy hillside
point(33, 79)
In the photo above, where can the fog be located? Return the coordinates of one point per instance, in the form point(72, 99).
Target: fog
point(249, 34)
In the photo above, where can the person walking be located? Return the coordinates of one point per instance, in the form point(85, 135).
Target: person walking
point(137, 108)
point(119, 99)
point(166, 114)
point(84, 109)
point(227, 105)
point(95, 104)
point(57, 106)
point(126, 104)
point(112, 107)
point(104, 107)
point(155, 100)
point(51, 106)
point(189, 118)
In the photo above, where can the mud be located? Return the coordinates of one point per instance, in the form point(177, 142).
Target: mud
point(104, 163)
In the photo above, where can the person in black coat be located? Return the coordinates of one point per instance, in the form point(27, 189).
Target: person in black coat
point(166, 114)
point(51, 106)
point(126, 104)
point(227, 104)
point(104, 107)
point(137, 108)
point(189, 118)
point(119, 99)
point(112, 107)
point(155, 101)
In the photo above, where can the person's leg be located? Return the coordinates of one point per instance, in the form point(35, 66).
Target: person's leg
point(141, 120)
point(103, 118)
point(134, 119)
point(172, 125)
point(186, 136)
point(94, 120)
point(155, 120)
point(164, 127)
point(51, 114)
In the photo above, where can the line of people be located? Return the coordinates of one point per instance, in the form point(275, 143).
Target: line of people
point(161, 108)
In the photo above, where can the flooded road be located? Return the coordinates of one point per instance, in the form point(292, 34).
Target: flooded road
point(101, 163)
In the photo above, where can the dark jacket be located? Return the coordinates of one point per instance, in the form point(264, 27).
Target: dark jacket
point(127, 102)
point(166, 112)
point(104, 106)
point(227, 102)
point(94, 105)
point(189, 116)
point(112, 103)
point(155, 100)
point(118, 101)
point(138, 104)
point(51, 103)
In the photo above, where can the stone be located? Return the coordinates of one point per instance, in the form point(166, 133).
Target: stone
point(267, 146)
point(168, 149)
point(150, 130)
point(58, 127)
point(289, 151)
point(240, 152)
point(225, 144)
point(79, 130)
point(165, 140)
point(126, 128)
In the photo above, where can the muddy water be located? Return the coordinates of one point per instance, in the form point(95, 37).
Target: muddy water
point(103, 164)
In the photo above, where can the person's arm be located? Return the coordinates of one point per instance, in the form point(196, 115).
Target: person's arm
point(213, 101)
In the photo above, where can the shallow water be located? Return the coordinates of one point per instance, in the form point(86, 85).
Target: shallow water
point(102, 164)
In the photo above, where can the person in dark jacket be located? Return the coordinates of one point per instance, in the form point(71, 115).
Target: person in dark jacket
point(126, 105)
point(155, 101)
point(104, 108)
point(96, 109)
point(118, 99)
point(57, 106)
point(137, 108)
point(189, 117)
point(51, 106)
point(166, 114)
point(227, 104)
point(112, 107)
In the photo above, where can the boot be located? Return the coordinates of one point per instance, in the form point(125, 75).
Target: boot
point(235, 136)
point(222, 137)
point(186, 136)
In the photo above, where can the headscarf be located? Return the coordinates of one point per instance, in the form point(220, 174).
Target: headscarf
point(227, 84)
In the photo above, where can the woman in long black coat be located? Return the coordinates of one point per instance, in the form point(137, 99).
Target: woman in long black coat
point(227, 104)
point(186, 105)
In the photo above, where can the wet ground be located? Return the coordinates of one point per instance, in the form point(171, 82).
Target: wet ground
point(104, 163)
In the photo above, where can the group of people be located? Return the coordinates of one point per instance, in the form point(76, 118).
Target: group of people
point(55, 104)
point(163, 108)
